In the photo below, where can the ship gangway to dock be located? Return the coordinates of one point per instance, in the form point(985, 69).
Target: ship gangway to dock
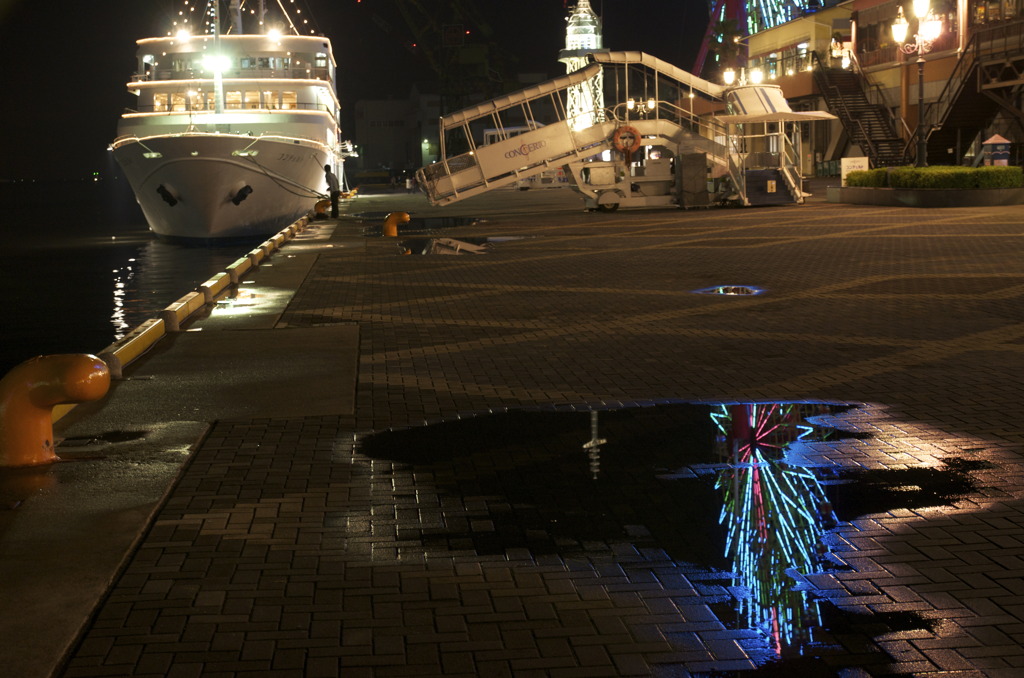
point(646, 148)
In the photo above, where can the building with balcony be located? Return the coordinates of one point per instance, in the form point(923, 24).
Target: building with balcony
point(844, 59)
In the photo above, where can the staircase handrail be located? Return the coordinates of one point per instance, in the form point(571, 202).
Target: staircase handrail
point(956, 80)
point(863, 138)
point(784, 160)
point(737, 166)
point(839, 103)
point(968, 58)
point(975, 146)
point(881, 100)
point(790, 168)
point(850, 121)
point(896, 122)
point(700, 132)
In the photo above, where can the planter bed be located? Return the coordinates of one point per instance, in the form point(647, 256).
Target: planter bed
point(926, 197)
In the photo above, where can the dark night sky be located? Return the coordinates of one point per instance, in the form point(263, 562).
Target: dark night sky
point(64, 71)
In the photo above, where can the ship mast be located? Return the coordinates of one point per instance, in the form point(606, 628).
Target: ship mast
point(218, 76)
point(236, 14)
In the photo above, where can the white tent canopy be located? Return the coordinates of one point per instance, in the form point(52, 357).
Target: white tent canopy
point(764, 103)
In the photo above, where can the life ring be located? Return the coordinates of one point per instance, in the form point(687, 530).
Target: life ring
point(626, 139)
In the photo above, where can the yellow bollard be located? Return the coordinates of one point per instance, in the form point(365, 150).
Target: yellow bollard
point(320, 209)
point(30, 391)
point(392, 221)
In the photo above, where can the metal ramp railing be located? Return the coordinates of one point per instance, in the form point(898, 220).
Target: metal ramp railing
point(533, 130)
point(554, 136)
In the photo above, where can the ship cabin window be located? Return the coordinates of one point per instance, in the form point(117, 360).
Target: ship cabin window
point(160, 102)
point(148, 65)
point(265, 63)
point(178, 101)
point(271, 99)
point(289, 100)
point(232, 100)
point(195, 101)
point(321, 60)
point(252, 99)
point(181, 64)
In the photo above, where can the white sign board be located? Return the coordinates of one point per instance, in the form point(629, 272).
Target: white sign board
point(847, 165)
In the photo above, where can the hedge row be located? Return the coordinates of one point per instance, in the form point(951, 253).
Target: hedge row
point(939, 176)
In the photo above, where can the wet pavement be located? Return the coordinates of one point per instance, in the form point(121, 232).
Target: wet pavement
point(560, 461)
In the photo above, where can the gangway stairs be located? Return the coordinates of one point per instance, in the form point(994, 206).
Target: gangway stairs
point(648, 148)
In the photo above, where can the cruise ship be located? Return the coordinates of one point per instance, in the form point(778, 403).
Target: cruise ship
point(231, 129)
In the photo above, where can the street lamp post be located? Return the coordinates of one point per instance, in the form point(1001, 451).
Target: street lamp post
point(928, 29)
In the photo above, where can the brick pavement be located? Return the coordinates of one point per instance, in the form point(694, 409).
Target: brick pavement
point(314, 547)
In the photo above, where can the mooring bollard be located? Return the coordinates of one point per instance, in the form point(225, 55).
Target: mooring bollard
point(29, 392)
point(391, 222)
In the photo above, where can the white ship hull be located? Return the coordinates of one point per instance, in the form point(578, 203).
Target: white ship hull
point(196, 186)
point(229, 134)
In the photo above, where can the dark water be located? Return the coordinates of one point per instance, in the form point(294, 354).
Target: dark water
point(80, 268)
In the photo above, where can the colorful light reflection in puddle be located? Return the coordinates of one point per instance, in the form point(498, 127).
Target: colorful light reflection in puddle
point(731, 290)
point(775, 512)
point(415, 226)
point(450, 246)
point(736, 495)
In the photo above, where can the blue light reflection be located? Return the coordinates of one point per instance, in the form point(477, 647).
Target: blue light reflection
point(774, 512)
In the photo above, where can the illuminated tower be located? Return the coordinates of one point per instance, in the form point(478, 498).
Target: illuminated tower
point(582, 37)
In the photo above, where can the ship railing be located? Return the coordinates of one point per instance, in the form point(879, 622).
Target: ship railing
point(126, 138)
point(232, 107)
point(238, 73)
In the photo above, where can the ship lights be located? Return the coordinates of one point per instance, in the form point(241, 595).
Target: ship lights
point(218, 63)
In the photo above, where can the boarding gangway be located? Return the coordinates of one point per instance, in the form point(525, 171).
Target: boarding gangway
point(606, 125)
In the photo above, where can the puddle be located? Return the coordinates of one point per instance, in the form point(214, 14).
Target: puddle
point(106, 437)
point(881, 491)
point(449, 246)
point(726, 491)
point(731, 290)
point(20, 484)
point(374, 224)
point(841, 632)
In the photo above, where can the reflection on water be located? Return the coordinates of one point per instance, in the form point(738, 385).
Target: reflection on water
point(726, 492)
point(374, 224)
point(731, 290)
point(715, 487)
point(158, 274)
point(81, 269)
point(775, 514)
point(451, 246)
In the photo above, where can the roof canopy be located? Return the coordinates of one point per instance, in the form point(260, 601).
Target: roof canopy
point(764, 103)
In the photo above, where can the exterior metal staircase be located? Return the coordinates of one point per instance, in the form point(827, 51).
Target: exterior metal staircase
point(984, 81)
point(869, 124)
point(768, 187)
